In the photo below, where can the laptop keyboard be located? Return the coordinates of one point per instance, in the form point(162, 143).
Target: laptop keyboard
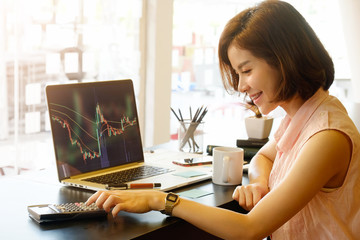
point(128, 175)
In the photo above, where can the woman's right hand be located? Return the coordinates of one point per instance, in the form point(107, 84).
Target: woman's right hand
point(135, 201)
point(248, 196)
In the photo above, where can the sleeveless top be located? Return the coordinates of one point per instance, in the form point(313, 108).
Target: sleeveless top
point(330, 214)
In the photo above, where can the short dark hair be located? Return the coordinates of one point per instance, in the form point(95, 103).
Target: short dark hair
point(276, 32)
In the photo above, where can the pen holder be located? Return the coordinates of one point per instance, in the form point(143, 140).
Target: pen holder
point(191, 136)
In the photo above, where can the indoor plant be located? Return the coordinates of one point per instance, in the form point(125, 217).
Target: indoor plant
point(257, 126)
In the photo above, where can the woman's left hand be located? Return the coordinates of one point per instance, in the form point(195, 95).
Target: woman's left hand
point(248, 196)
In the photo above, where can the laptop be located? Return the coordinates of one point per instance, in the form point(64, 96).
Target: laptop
point(95, 131)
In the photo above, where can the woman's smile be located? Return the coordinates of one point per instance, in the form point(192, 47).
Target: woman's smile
point(256, 97)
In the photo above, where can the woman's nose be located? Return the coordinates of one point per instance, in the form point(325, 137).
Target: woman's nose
point(242, 86)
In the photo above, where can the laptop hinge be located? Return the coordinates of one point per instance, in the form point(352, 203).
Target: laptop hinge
point(107, 170)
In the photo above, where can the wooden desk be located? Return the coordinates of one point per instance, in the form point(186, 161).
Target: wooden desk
point(17, 192)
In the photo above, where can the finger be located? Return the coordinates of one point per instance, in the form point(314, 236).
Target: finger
point(235, 195)
point(110, 202)
point(101, 199)
point(248, 199)
point(127, 207)
point(116, 210)
point(242, 198)
point(93, 198)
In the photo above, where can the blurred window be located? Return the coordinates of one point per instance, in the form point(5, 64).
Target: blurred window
point(46, 42)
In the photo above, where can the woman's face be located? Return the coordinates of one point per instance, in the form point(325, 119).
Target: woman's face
point(256, 78)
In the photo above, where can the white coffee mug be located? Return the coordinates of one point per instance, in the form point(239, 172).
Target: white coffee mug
point(227, 165)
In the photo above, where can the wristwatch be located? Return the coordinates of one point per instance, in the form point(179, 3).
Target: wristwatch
point(171, 201)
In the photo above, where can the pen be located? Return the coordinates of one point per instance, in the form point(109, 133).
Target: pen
point(124, 186)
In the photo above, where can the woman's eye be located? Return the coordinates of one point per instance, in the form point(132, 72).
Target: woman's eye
point(246, 71)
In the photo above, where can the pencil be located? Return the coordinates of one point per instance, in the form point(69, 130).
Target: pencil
point(175, 114)
point(181, 115)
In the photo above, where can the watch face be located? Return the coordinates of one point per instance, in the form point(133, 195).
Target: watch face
point(172, 197)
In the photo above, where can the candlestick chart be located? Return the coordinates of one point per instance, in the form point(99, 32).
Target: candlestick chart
point(88, 133)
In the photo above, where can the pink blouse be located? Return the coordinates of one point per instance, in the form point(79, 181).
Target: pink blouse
point(330, 214)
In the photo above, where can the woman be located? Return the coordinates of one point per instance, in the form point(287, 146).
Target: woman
point(304, 184)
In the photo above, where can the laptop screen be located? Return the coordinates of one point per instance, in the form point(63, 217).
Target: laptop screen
point(94, 126)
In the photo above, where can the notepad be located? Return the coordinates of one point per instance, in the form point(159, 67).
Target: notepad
point(194, 193)
point(189, 174)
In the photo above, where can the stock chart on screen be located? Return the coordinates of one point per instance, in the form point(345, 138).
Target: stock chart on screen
point(94, 125)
